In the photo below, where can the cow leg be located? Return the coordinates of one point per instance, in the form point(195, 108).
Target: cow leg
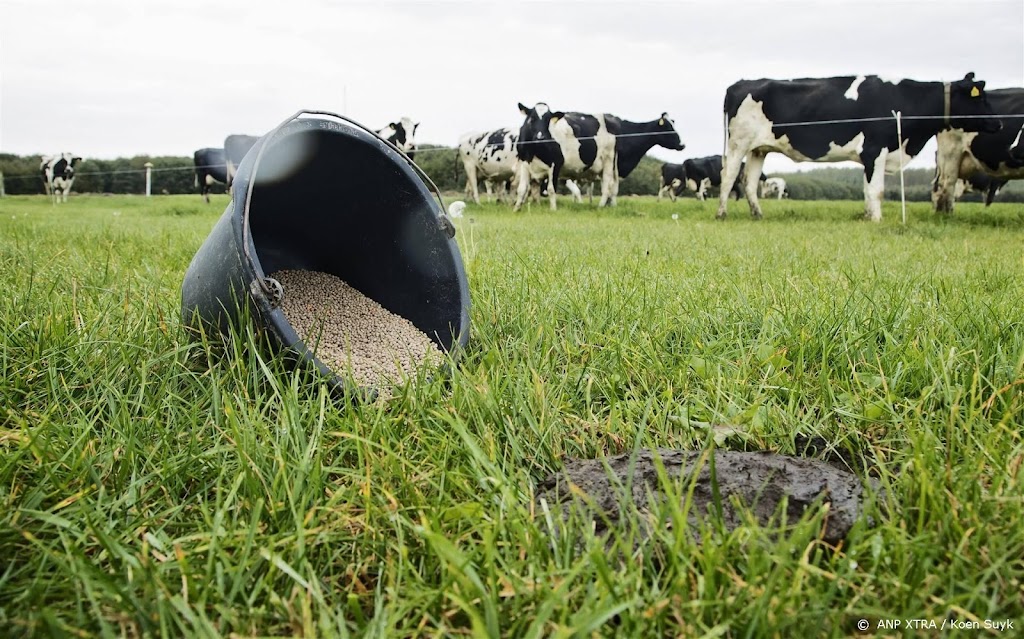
point(673, 191)
point(661, 187)
point(755, 162)
point(574, 189)
point(471, 182)
point(731, 162)
point(993, 190)
point(524, 185)
point(702, 190)
point(947, 171)
point(553, 185)
point(489, 189)
point(874, 183)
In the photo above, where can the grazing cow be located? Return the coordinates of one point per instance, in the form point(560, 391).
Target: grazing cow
point(235, 148)
point(673, 180)
point(774, 186)
point(211, 168)
point(985, 184)
point(585, 147)
point(978, 182)
point(490, 156)
point(964, 154)
point(704, 173)
point(58, 172)
point(401, 134)
point(762, 116)
point(632, 141)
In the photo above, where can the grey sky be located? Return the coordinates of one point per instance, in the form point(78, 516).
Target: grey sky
point(110, 78)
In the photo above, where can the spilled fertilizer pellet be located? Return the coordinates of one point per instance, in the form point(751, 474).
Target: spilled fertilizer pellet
point(352, 334)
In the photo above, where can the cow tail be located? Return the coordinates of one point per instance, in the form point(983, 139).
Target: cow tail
point(458, 157)
point(725, 134)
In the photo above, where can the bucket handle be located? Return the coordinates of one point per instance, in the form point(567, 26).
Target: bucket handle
point(271, 289)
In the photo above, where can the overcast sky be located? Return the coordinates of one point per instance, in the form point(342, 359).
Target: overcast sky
point(109, 78)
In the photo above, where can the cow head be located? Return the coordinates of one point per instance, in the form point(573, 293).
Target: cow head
point(72, 160)
point(402, 134)
point(535, 134)
point(967, 98)
point(667, 135)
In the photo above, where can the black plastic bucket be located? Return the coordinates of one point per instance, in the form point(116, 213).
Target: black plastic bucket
point(327, 194)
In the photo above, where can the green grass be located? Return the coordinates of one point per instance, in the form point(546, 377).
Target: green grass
point(151, 485)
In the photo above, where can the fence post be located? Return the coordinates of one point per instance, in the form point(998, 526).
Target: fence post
point(899, 141)
point(2, 192)
point(149, 177)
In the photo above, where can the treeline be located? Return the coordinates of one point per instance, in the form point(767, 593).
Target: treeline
point(171, 174)
point(174, 175)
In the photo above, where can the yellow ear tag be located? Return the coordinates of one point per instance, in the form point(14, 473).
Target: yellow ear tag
point(974, 92)
point(661, 122)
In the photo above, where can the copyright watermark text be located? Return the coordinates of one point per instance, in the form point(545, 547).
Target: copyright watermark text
point(989, 625)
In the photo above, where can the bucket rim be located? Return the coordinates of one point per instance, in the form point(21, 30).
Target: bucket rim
point(272, 290)
point(268, 293)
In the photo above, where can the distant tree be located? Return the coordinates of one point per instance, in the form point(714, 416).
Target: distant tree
point(441, 164)
point(644, 179)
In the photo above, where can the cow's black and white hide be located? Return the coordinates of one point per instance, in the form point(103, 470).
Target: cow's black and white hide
point(489, 156)
point(210, 168)
point(966, 154)
point(58, 173)
point(706, 173)
point(585, 147)
point(774, 186)
point(402, 134)
point(764, 116)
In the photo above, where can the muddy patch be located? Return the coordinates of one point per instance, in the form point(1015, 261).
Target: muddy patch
point(616, 488)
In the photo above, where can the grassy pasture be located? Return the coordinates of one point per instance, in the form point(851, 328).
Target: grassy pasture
point(152, 486)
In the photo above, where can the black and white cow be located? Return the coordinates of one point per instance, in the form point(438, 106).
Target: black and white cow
point(402, 134)
point(211, 168)
point(963, 154)
point(986, 185)
point(982, 183)
point(673, 180)
point(774, 186)
point(585, 147)
point(762, 116)
point(634, 139)
point(541, 154)
point(490, 156)
point(58, 173)
point(704, 173)
point(235, 148)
